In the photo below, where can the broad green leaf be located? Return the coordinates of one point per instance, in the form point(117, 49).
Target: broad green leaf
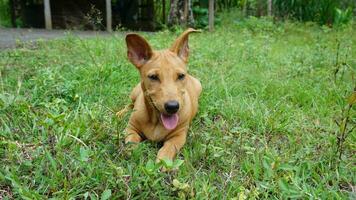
point(84, 154)
point(283, 185)
point(177, 163)
point(106, 194)
point(168, 163)
point(150, 165)
point(86, 195)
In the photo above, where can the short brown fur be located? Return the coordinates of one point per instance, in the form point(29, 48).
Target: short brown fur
point(149, 96)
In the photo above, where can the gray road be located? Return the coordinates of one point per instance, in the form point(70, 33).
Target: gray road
point(9, 37)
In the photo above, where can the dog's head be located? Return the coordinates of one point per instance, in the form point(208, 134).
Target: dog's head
point(163, 74)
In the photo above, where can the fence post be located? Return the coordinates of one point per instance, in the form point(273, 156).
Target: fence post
point(47, 12)
point(108, 16)
point(211, 15)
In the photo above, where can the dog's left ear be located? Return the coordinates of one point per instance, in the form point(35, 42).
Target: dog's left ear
point(138, 49)
point(180, 46)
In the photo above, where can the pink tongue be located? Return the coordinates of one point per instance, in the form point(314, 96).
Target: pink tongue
point(169, 121)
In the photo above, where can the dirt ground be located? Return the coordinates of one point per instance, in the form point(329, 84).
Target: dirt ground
point(9, 37)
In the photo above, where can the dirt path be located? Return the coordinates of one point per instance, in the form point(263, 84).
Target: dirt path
point(10, 36)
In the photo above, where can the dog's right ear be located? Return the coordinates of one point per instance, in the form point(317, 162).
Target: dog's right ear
point(180, 46)
point(138, 49)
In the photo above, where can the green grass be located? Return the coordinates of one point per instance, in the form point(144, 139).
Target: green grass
point(265, 129)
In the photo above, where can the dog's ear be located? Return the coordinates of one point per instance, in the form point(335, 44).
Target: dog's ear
point(180, 46)
point(138, 49)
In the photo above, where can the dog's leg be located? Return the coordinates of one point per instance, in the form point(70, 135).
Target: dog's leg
point(172, 146)
point(123, 111)
point(132, 136)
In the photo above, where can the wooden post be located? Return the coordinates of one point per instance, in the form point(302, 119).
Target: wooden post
point(108, 16)
point(47, 12)
point(269, 9)
point(211, 15)
point(164, 11)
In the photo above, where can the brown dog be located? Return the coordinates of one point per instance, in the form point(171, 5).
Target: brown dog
point(166, 99)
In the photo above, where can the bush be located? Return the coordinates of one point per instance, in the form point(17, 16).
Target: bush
point(5, 18)
point(321, 11)
point(327, 12)
point(342, 17)
point(201, 16)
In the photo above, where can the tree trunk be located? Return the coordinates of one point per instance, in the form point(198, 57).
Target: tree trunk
point(185, 11)
point(108, 16)
point(164, 11)
point(269, 7)
point(172, 13)
point(190, 14)
point(47, 13)
point(244, 8)
point(180, 13)
point(211, 15)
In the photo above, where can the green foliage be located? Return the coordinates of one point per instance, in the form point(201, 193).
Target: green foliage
point(201, 17)
point(265, 128)
point(326, 12)
point(5, 18)
point(321, 11)
point(227, 4)
point(158, 18)
point(342, 17)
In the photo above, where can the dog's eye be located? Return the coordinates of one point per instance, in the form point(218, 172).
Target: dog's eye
point(181, 76)
point(153, 77)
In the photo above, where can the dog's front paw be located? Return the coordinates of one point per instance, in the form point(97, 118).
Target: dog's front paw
point(133, 138)
point(129, 148)
point(131, 143)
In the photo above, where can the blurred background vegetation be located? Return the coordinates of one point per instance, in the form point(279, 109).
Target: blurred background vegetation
point(323, 12)
point(5, 13)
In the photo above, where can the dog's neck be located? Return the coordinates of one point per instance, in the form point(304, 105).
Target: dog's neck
point(151, 109)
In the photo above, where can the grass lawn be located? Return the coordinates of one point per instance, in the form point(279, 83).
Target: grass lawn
point(265, 129)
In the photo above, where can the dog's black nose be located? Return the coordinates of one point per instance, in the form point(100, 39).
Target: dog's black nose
point(171, 107)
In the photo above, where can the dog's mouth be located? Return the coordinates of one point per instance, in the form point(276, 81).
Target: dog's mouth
point(169, 122)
